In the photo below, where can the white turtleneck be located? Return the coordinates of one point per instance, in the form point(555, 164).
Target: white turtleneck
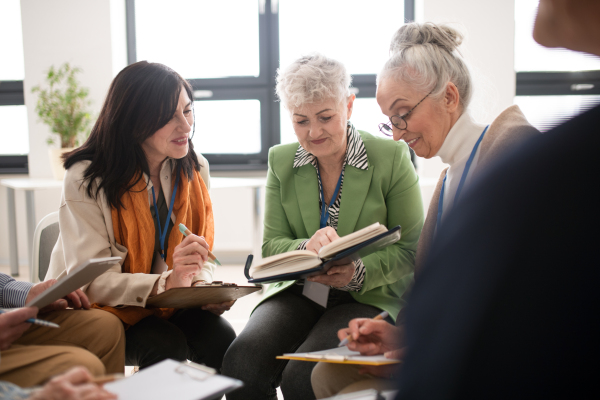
point(455, 151)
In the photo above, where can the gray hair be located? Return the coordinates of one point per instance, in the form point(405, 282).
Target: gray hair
point(312, 79)
point(426, 57)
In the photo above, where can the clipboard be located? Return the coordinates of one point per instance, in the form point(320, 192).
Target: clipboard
point(358, 251)
point(198, 296)
point(77, 278)
point(339, 355)
point(170, 379)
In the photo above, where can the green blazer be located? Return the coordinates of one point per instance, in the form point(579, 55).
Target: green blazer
point(387, 192)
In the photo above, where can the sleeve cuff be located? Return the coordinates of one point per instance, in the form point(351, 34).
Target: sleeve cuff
point(15, 293)
point(358, 279)
point(302, 245)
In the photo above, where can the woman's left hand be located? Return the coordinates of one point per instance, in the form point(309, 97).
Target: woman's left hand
point(337, 276)
point(218, 309)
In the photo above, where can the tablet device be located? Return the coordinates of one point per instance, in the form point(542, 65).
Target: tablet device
point(77, 278)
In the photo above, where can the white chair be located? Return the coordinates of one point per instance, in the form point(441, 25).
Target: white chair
point(44, 239)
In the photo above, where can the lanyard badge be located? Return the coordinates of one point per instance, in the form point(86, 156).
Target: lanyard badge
point(463, 178)
point(161, 232)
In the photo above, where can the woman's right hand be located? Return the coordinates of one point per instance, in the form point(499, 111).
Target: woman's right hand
point(188, 258)
point(75, 384)
point(321, 238)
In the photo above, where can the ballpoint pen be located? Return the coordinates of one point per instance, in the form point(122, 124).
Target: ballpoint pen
point(186, 232)
point(36, 321)
point(348, 338)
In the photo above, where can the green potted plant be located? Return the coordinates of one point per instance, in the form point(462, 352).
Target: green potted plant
point(63, 105)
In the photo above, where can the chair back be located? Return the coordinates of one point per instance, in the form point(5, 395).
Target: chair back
point(44, 240)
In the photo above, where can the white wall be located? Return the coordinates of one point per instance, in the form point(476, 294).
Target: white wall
point(55, 32)
point(489, 26)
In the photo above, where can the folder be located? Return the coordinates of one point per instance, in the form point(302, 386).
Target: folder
point(198, 296)
point(170, 379)
point(339, 355)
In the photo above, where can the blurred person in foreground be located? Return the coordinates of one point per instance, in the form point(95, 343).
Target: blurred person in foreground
point(508, 304)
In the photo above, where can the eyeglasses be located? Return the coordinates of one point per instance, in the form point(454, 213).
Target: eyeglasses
point(399, 121)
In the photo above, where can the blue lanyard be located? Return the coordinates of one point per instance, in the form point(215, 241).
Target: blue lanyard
point(463, 178)
point(163, 234)
point(324, 206)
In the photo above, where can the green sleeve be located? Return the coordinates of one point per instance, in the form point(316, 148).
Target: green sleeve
point(405, 208)
point(278, 236)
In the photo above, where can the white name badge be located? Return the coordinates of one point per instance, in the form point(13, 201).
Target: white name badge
point(317, 292)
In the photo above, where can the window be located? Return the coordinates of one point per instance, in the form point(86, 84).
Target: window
point(13, 116)
point(553, 85)
point(233, 73)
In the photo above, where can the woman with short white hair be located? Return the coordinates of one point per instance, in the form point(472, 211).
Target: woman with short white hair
point(335, 181)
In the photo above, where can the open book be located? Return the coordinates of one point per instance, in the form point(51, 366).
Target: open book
point(339, 355)
point(303, 263)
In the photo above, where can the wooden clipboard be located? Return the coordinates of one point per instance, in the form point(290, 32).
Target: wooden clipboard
point(339, 355)
point(198, 296)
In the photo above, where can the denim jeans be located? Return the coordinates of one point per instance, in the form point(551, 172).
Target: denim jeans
point(286, 323)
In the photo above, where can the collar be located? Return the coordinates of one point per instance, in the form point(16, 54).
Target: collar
point(356, 154)
point(460, 140)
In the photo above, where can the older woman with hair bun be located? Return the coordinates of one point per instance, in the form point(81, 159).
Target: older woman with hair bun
point(425, 89)
point(335, 181)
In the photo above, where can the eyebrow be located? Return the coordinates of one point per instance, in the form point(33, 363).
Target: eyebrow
point(188, 104)
point(395, 101)
point(300, 115)
point(322, 111)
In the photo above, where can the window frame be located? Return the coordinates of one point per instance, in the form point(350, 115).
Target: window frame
point(12, 94)
point(260, 88)
point(542, 83)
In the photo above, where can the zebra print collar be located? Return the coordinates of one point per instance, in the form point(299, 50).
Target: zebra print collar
point(356, 154)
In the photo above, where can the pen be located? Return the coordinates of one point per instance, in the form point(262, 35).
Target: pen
point(186, 232)
point(348, 339)
point(36, 321)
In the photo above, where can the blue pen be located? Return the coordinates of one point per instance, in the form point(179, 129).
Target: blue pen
point(36, 321)
point(383, 315)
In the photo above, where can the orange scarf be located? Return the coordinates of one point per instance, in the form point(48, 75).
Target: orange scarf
point(134, 228)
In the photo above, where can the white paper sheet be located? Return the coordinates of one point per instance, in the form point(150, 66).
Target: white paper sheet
point(162, 381)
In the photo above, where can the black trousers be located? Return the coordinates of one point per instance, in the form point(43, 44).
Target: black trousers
point(193, 334)
point(286, 323)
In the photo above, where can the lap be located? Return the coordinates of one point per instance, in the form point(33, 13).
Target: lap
point(82, 328)
point(28, 365)
point(193, 334)
point(278, 325)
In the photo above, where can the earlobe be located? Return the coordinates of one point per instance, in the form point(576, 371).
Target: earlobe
point(351, 99)
point(452, 97)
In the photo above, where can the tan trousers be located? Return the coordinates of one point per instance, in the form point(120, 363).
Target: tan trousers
point(330, 379)
point(92, 338)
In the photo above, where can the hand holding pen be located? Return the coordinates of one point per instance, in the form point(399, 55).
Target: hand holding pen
point(186, 232)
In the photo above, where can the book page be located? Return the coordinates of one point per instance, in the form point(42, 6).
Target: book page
point(285, 262)
point(352, 239)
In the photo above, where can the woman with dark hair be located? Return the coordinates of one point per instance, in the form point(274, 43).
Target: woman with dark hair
point(135, 178)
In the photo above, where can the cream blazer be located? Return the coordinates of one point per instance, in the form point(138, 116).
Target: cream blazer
point(86, 231)
point(508, 130)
